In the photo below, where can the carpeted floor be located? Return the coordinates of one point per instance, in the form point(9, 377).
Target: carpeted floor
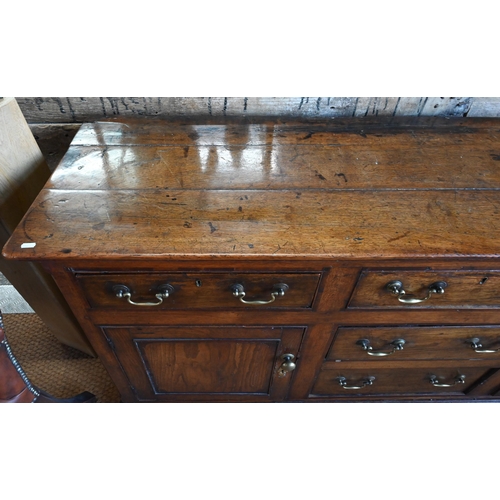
point(53, 367)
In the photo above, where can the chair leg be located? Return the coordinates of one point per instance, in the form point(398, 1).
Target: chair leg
point(15, 386)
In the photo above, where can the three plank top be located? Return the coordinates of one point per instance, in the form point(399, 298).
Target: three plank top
point(338, 189)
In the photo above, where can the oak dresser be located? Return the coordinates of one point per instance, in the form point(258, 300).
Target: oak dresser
point(266, 261)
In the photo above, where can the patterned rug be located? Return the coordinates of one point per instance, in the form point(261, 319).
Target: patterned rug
point(10, 299)
point(53, 367)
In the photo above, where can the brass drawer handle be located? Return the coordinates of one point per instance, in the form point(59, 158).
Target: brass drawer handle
point(397, 345)
point(287, 366)
point(475, 343)
point(460, 379)
point(396, 287)
point(279, 290)
point(364, 383)
point(123, 292)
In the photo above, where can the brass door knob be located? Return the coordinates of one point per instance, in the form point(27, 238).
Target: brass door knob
point(287, 366)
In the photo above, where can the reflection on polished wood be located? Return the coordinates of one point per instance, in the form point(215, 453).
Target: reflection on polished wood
point(234, 190)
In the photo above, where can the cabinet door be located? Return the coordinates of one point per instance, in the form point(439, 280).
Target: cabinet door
point(206, 363)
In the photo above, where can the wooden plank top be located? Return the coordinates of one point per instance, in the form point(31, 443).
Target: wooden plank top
point(337, 189)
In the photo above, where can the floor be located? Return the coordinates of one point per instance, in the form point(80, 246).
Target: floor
point(51, 366)
point(10, 299)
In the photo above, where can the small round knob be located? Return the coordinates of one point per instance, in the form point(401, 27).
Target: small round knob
point(394, 287)
point(165, 290)
point(120, 291)
point(238, 290)
point(438, 287)
point(280, 289)
point(287, 366)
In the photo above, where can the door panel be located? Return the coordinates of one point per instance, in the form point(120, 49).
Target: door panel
point(239, 362)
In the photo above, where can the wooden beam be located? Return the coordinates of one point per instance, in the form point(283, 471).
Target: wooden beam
point(84, 109)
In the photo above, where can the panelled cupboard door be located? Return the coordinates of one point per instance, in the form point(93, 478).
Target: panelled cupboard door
point(207, 363)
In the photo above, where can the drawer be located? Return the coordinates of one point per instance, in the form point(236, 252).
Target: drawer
point(426, 289)
point(415, 343)
point(141, 291)
point(372, 380)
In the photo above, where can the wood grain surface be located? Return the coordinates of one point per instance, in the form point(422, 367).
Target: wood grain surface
point(82, 109)
point(392, 380)
point(464, 289)
point(211, 362)
point(272, 190)
point(199, 290)
point(436, 342)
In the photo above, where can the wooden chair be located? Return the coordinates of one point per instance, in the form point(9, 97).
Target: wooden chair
point(15, 386)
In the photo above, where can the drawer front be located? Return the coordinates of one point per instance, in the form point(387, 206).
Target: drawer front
point(377, 381)
point(201, 290)
point(415, 343)
point(426, 289)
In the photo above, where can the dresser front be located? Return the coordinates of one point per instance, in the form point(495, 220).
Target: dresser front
point(292, 331)
point(269, 262)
